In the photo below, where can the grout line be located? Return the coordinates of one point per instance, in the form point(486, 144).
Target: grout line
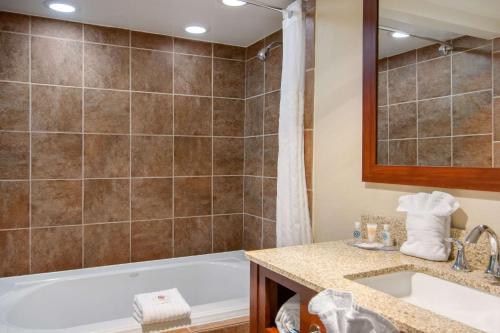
point(262, 161)
point(173, 153)
point(212, 157)
point(30, 145)
point(130, 143)
point(492, 107)
point(83, 151)
point(439, 97)
point(416, 106)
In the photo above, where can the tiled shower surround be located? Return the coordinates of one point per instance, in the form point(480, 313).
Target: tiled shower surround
point(437, 110)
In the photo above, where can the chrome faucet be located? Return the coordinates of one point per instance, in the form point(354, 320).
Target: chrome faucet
point(494, 263)
point(461, 264)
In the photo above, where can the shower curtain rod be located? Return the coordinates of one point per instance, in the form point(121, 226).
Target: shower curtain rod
point(417, 36)
point(263, 5)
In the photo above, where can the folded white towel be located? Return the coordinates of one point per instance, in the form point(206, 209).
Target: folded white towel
point(288, 317)
point(428, 224)
point(160, 306)
point(340, 314)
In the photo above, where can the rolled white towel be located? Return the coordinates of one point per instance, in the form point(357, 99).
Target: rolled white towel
point(160, 306)
point(288, 317)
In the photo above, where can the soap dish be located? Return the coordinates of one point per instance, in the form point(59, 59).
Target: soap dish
point(365, 245)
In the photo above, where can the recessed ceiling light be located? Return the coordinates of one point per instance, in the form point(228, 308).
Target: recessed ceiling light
point(234, 3)
point(61, 7)
point(399, 34)
point(196, 29)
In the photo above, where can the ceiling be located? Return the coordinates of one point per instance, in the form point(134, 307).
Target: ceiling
point(438, 19)
point(240, 26)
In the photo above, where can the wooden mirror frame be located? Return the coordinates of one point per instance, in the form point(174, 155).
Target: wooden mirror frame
point(485, 179)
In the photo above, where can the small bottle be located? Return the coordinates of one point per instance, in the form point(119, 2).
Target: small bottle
point(356, 234)
point(386, 236)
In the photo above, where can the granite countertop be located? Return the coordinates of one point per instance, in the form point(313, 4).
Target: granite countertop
point(335, 264)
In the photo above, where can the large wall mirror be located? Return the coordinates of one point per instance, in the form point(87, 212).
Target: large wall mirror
point(432, 93)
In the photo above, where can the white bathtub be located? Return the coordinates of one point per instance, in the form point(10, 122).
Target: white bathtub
point(100, 299)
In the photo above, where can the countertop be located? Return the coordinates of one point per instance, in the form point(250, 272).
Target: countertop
point(336, 264)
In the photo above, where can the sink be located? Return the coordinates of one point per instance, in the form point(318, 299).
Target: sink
point(466, 305)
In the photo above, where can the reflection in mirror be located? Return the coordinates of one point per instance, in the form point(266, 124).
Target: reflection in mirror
point(439, 83)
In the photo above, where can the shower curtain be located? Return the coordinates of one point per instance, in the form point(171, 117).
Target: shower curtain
point(292, 214)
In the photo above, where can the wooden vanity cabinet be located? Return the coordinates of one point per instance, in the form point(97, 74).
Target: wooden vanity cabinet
point(270, 290)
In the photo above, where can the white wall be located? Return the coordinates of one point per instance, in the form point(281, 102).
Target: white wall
point(339, 195)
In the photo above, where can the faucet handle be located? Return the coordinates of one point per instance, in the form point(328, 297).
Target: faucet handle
point(460, 263)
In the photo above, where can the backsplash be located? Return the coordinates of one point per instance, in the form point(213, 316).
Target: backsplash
point(116, 146)
point(437, 110)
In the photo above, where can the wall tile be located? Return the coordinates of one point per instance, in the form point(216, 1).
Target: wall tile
point(434, 152)
point(268, 234)
point(496, 151)
point(228, 117)
point(151, 198)
point(57, 109)
point(272, 114)
point(253, 195)
point(310, 36)
point(254, 155)
point(308, 158)
point(254, 48)
point(56, 203)
point(496, 119)
point(403, 59)
point(152, 156)
point(151, 71)
point(428, 52)
point(106, 156)
point(472, 151)
point(189, 46)
point(273, 69)
point(14, 57)
point(55, 61)
point(192, 75)
point(271, 156)
point(152, 114)
point(228, 195)
point(269, 198)
point(14, 22)
point(382, 123)
point(434, 117)
point(403, 152)
point(106, 35)
point(56, 249)
point(229, 52)
point(229, 78)
point(106, 66)
point(252, 233)
point(152, 240)
point(468, 42)
point(228, 156)
point(254, 77)
point(106, 244)
point(382, 88)
point(434, 78)
point(107, 111)
point(496, 73)
point(14, 246)
point(496, 44)
point(56, 28)
point(403, 121)
point(402, 85)
point(193, 196)
point(151, 41)
point(383, 152)
point(228, 233)
point(193, 115)
point(14, 155)
point(14, 204)
point(309, 100)
point(106, 200)
point(253, 116)
point(472, 70)
point(193, 236)
point(472, 113)
point(56, 156)
point(14, 112)
point(276, 36)
point(382, 65)
point(192, 156)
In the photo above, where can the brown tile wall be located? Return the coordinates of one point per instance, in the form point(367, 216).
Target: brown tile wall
point(437, 110)
point(120, 146)
point(261, 134)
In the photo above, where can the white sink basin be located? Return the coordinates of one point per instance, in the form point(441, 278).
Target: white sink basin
point(469, 306)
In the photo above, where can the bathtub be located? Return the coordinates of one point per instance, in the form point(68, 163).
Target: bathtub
point(99, 300)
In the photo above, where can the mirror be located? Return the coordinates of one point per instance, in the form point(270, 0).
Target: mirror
point(438, 85)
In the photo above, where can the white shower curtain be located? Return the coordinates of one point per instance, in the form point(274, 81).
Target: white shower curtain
point(292, 214)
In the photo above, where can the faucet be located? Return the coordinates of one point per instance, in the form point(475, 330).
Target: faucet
point(494, 263)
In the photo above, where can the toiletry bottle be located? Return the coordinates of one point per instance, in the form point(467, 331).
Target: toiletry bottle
point(356, 234)
point(386, 236)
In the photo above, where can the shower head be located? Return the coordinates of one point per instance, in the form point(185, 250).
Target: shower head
point(263, 52)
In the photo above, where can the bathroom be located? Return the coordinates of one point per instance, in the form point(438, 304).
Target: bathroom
point(149, 145)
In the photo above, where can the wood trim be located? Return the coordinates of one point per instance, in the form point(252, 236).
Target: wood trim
point(484, 179)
